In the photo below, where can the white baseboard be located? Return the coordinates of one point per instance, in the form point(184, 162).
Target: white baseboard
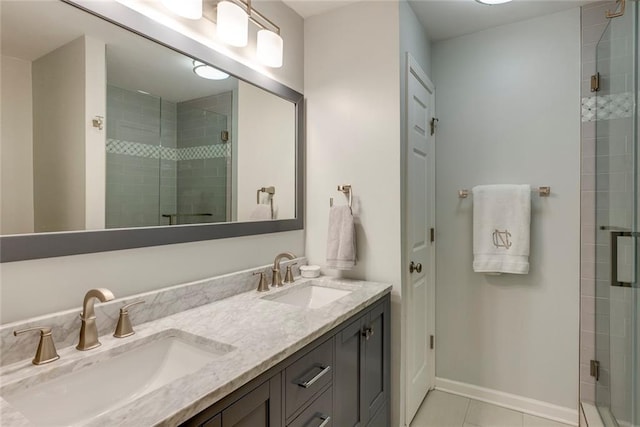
point(510, 401)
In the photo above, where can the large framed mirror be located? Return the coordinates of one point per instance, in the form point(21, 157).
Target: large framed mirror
point(122, 139)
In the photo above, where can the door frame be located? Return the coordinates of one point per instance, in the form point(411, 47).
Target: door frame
point(412, 67)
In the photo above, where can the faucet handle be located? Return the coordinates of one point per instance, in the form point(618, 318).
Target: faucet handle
point(262, 283)
point(124, 328)
point(46, 351)
point(288, 276)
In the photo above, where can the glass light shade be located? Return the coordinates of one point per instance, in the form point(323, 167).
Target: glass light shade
point(269, 48)
point(209, 72)
point(233, 24)
point(492, 2)
point(191, 9)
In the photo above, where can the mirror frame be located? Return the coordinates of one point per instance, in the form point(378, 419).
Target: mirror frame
point(46, 245)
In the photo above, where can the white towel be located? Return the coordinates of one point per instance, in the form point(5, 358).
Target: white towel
point(261, 212)
point(501, 226)
point(341, 241)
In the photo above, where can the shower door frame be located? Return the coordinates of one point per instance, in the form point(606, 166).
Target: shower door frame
point(614, 151)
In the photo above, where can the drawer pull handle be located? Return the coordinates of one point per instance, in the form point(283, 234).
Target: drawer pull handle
point(307, 384)
point(326, 419)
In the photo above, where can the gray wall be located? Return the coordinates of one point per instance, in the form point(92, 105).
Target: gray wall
point(515, 334)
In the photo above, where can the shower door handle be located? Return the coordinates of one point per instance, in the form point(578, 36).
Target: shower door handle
point(622, 258)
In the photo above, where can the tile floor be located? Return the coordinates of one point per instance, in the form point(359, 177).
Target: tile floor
point(448, 410)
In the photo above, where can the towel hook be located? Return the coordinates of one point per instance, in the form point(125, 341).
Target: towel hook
point(346, 189)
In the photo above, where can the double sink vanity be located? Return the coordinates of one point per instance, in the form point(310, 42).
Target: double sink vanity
point(215, 352)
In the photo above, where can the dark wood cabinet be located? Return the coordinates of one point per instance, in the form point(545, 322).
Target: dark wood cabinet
point(258, 408)
point(362, 369)
point(342, 379)
point(258, 404)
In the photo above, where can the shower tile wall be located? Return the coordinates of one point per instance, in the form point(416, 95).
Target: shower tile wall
point(203, 184)
point(134, 123)
point(606, 311)
point(168, 164)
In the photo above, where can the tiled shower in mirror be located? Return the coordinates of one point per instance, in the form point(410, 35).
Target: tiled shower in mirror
point(168, 162)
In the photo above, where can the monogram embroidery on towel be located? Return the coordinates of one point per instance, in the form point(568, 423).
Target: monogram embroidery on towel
point(501, 239)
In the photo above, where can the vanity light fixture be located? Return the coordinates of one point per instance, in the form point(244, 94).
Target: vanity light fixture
point(492, 2)
point(269, 48)
point(191, 9)
point(232, 27)
point(233, 24)
point(208, 72)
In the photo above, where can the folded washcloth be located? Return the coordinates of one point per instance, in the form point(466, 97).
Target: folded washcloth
point(341, 241)
point(261, 212)
point(501, 226)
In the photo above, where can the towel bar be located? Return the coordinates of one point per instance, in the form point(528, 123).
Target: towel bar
point(270, 191)
point(346, 189)
point(542, 192)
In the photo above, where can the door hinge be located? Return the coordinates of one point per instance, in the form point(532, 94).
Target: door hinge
point(595, 82)
point(432, 341)
point(594, 370)
point(434, 122)
point(432, 234)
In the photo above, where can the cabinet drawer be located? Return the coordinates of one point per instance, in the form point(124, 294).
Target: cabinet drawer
point(319, 413)
point(307, 376)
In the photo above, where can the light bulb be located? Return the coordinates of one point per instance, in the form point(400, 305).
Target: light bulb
point(191, 9)
point(233, 24)
point(269, 48)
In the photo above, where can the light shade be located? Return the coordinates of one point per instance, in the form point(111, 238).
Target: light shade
point(208, 72)
point(233, 24)
point(269, 48)
point(492, 2)
point(191, 9)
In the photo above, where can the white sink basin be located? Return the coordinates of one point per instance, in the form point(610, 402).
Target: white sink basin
point(115, 381)
point(309, 296)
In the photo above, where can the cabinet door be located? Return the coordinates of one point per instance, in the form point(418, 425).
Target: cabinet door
point(260, 408)
point(375, 371)
point(347, 387)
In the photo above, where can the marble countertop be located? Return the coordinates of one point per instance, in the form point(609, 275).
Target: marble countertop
point(259, 332)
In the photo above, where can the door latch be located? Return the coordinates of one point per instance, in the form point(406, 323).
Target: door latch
point(434, 123)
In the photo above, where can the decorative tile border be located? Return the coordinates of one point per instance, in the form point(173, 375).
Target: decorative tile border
point(137, 149)
point(204, 152)
point(607, 107)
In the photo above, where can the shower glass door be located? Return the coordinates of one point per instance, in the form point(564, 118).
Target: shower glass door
point(617, 319)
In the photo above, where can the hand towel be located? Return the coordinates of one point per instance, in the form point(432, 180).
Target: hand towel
point(341, 241)
point(261, 212)
point(501, 227)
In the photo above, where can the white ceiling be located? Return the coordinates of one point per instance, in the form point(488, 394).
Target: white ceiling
point(444, 19)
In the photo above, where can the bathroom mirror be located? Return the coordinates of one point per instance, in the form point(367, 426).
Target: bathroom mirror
point(114, 132)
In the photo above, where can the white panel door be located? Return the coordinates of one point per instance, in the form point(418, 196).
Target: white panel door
point(419, 290)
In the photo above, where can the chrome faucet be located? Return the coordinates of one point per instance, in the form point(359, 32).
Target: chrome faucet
point(277, 277)
point(89, 330)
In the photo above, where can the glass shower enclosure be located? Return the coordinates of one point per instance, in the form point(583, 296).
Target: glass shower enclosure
point(617, 368)
point(168, 163)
